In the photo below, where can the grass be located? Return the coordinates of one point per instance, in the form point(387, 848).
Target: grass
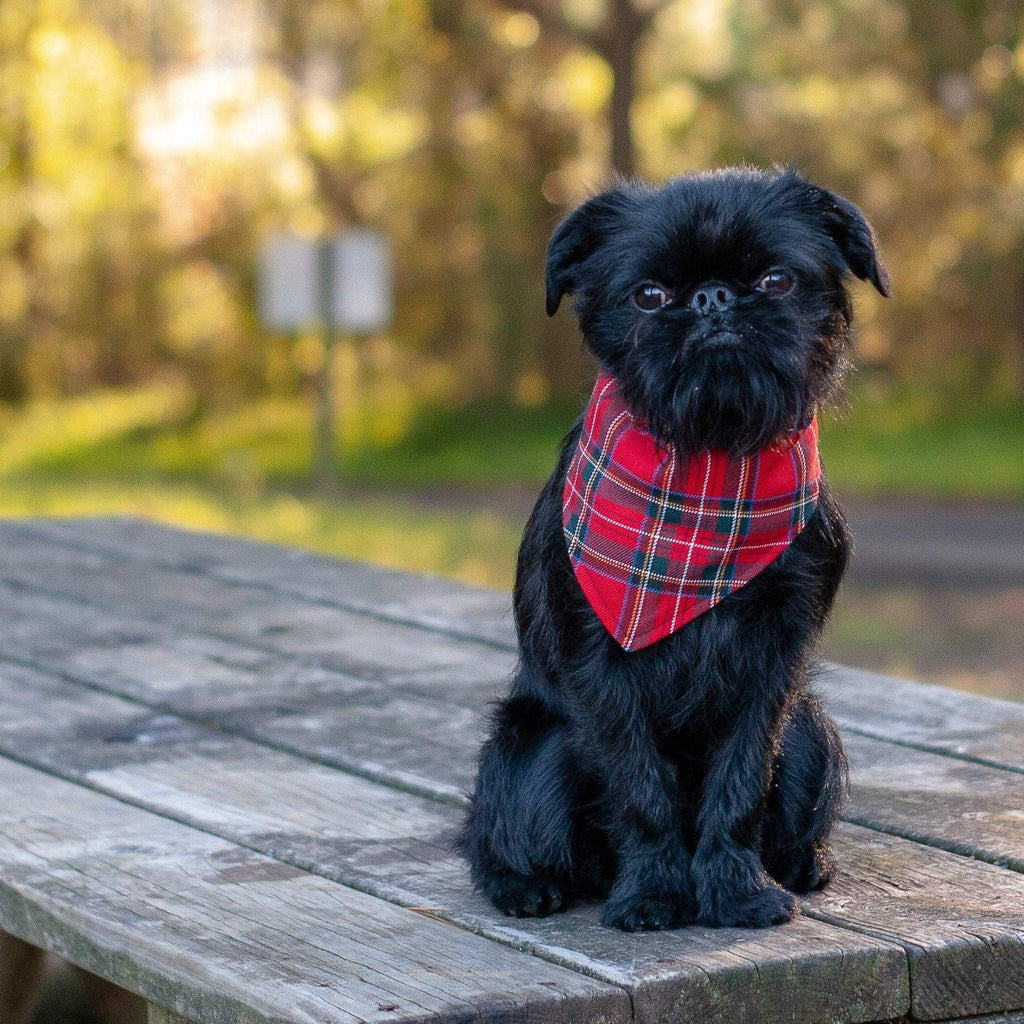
point(891, 445)
point(902, 447)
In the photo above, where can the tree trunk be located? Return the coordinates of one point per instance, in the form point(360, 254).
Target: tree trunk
point(622, 99)
point(1019, 336)
point(620, 51)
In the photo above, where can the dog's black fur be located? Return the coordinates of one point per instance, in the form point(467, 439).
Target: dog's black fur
point(696, 779)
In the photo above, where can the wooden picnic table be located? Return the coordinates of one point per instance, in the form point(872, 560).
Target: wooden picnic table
point(231, 774)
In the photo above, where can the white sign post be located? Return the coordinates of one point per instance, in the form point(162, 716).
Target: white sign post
point(361, 285)
point(288, 289)
point(341, 283)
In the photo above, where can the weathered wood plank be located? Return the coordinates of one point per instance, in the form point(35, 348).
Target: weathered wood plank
point(398, 846)
point(373, 727)
point(356, 724)
point(219, 933)
point(960, 921)
point(380, 727)
point(929, 717)
point(428, 745)
point(330, 638)
point(956, 805)
point(432, 601)
point(262, 798)
point(367, 863)
point(201, 782)
point(926, 996)
point(395, 844)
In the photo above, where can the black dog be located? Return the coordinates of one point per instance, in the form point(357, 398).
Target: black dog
point(698, 778)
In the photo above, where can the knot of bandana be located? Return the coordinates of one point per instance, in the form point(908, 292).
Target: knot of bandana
point(656, 540)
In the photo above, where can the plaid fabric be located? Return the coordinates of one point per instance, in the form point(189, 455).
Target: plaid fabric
point(656, 540)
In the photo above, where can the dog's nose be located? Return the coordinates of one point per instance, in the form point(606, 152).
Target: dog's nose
point(711, 298)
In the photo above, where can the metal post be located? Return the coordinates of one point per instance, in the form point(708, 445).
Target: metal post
point(325, 466)
point(342, 282)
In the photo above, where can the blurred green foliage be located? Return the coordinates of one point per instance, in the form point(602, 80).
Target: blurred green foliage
point(151, 436)
point(146, 148)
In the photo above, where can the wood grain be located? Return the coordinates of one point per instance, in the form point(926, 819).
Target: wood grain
point(346, 641)
point(280, 625)
point(956, 805)
point(915, 714)
point(375, 726)
point(399, 846)
point(960, 921)
point(219, 933)
point(439, 604)
point(390, 731)
point(927, 717)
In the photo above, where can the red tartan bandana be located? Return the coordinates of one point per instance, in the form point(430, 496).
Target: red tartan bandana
point(656, 540)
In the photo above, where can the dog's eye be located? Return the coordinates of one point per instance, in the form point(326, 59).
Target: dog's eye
point(776, 282)
point(651, 297)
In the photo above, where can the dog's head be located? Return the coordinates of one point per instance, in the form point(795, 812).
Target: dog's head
point(717, 300)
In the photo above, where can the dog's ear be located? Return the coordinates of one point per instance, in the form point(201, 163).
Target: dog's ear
point(856, 240)
point(578, 237)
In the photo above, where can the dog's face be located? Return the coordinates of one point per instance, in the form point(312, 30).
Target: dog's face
point(717, 300)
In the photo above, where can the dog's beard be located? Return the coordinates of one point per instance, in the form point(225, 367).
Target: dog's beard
point(723, 398)
point(737, 388)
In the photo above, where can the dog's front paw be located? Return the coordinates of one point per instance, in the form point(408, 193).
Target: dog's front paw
point(648, 913)
point(761, 907)
point(810, 869)
point(526, 896)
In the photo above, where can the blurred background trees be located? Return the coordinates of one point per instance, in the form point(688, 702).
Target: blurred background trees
point(146, 145)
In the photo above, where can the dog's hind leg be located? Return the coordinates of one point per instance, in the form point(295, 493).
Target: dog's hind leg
point(806, 797)
point(519, 833)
